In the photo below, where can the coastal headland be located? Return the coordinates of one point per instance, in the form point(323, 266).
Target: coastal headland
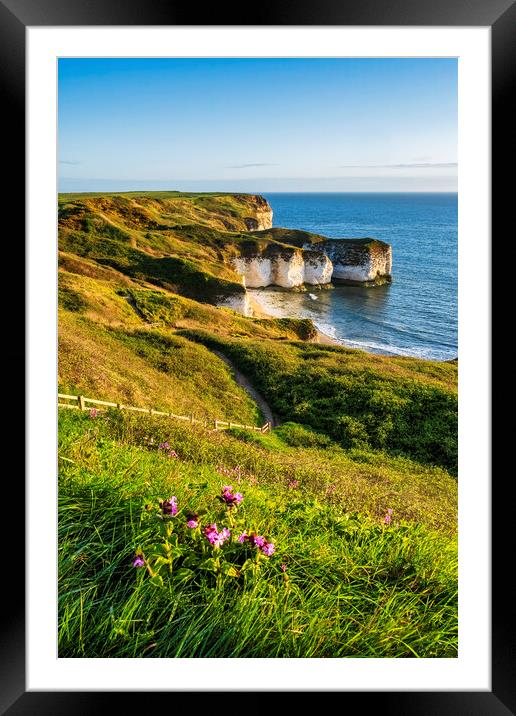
point(350, 491)
point(211, 247)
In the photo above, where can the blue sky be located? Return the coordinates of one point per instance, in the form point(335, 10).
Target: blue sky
point(258, 124)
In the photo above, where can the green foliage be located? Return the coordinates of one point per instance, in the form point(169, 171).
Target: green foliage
point(177, 274)
point(156, 306)
point(357, 399)
point(96, 225)
point(70, 300)
point(352, 586)
point(149, 368)
point(295, 435)
point(302, 328)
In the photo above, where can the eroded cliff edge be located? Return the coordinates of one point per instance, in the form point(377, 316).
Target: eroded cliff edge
point(314, 262)
point(209, 247)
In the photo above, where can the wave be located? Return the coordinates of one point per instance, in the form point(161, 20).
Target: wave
point(387, 349)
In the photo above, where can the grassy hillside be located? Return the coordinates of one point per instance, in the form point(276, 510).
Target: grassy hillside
point(356, 488)
point(401, 405)
point(181, 242)
point(341, 582)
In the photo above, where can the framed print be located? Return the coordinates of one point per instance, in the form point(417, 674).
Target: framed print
point(258, 448)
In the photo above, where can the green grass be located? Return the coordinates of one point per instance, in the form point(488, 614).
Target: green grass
point(360, 400)
point(148, 368)
point(360, 434)
point(356, 587)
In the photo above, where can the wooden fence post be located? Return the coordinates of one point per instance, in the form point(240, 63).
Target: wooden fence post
point(81, 399)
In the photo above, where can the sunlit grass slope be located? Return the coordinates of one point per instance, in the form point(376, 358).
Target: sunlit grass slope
point(356, 488)
point(341, 582)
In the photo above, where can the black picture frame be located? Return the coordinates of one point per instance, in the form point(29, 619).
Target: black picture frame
point(500, 16)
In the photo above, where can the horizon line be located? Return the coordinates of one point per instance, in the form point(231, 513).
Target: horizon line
point(221, 191)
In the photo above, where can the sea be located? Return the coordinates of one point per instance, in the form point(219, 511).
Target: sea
point(415, 315)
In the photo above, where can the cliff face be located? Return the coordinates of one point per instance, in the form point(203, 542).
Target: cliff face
point(260, 213)
point(361, 261)
point(285, 267)
point(239, 302)
point(209, 247)
point(356, 261)
point(318, 268)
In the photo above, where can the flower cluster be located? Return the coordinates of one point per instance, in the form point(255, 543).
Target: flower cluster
point(94, 412)
point(228, 498)
point(293, 484)
point(215, 537)
point(189, 545)
point(169, 507)
point(267, 548)
point(388, 517)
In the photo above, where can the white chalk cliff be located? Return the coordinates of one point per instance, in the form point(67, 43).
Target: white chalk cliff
point(358, 260)
point(238, 302)
point(318, 268)
point(299, 258)
point(287, 268)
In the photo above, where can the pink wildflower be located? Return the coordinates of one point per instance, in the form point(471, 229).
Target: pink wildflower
point(229, 498)
point(293, 484)
point(268, 549)
point(93, 413)
point(215, 537)
point(192, 524)
point(169, 507)
point(173, 453)
point(283, 567)
point(242, 538)
point(388, 517)
point(138, 561)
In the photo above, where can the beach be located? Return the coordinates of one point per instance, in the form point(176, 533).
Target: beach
point(260, 312)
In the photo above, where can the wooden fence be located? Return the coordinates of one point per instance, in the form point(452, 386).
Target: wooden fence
point(83, 403)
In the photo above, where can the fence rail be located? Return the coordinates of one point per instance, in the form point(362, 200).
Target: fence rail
point(83, 403)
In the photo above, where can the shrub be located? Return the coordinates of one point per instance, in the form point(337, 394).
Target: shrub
point(296, 435)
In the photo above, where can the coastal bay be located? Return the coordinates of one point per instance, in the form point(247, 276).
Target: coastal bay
point(415, 315)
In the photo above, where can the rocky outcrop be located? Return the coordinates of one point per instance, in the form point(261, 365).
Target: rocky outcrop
point(354, 261)
point(256, 271)
point(261, 218)
point(318, 268)
point(357, 261)
point(288, 268)
point(238, 302)
point(285, 267)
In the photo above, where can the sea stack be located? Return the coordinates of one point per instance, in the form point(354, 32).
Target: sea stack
point(358, 261)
